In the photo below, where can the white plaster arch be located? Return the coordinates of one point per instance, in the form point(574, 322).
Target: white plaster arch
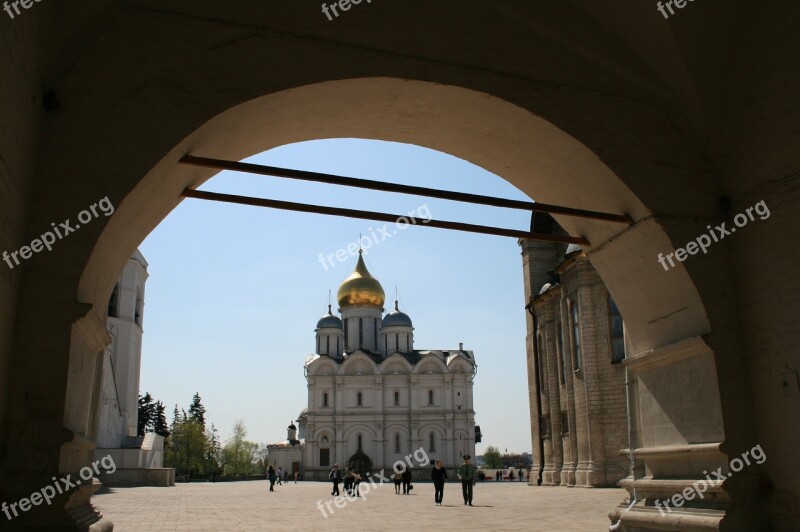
point(531, 153)
point(430, 363)
point(395, 363)
point(358, 363)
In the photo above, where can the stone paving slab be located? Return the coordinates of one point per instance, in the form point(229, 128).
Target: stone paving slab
point(249, 506)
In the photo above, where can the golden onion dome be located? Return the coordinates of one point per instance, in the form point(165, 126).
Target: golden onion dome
point(361, 288)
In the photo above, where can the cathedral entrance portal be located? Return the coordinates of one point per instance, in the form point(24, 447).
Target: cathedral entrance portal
point(360, 462)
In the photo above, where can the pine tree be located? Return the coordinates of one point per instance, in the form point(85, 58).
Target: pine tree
point(160, 420)
point(197, 412)
point(146, 414)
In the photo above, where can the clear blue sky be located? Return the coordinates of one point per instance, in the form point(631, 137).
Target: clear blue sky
point(235, 292)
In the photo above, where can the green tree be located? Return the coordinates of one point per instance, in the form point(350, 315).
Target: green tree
point(213, 453)
point(239, 456)
point(491, 458)
point(146, 417)
point(186, 448)
point(160, 426)
point(197, 411)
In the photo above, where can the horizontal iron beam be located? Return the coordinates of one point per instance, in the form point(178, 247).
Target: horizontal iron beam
point(401, 189)
point(380, 216)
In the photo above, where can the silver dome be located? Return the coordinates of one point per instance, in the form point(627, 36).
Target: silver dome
point(329, 321)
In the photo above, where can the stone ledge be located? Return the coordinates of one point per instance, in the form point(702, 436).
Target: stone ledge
point(683, 520)
point(669, 354)
point(667, 452)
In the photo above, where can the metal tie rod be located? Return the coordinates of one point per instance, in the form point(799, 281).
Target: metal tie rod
point(380, 216)
point(331, 179)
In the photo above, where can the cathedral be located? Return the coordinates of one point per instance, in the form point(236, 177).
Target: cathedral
point(372, 398)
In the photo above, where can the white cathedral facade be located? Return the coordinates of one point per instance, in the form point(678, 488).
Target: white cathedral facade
point(372, 398)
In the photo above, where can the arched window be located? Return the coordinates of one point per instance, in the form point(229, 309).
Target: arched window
point(359, 442)
point(325, 399)
point(346, 337)
point(616, 332)
point(408, 342)
point(386, 344)
point(359, 397)
point(317, 343)
point(431, 443)
point(397, 341)
point(327, 345)
point(430, 397)
point(396, 398)
point(397, 443)
point(113, 303)
point(576, 336)
point(375, 332)
point(137, 315)
point(561, 357)
point(360, 333)
point(337, 346)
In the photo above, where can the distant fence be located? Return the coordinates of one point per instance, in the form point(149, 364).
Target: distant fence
point(184, 479)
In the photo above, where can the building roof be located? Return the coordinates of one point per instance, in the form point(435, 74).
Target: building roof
point(329, 321)
point(396, 318)
point(413, 357)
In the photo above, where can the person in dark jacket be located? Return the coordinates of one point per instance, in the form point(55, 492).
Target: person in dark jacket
point(439, 476)
point(335, 476)
point(407, 481)
point(271, 476)
point(466, 474)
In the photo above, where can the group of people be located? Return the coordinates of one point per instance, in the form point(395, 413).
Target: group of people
point(280, 476)
point(467, 474)
point(403, 479)
point(498, 476)
point(350, 479)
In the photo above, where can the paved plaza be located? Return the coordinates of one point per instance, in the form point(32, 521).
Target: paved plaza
point(250, 506)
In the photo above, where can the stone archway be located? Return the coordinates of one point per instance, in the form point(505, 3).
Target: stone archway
point(461, 122)
point(453, 120)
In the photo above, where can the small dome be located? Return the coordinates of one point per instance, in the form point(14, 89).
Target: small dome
point(396, 318)
point(329, 321)
point(361, 288)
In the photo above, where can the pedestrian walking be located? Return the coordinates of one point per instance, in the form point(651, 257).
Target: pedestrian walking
point(335, 476)
point(296, 474)
point(356, 480)
point(466, 474)
point(286, 476)
point(398, 479)
point(498, 476)
point(511, 475)
point(407, 481)
point(349, 479)
point(439, 476)
point(280, 474)
point(271, 477)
